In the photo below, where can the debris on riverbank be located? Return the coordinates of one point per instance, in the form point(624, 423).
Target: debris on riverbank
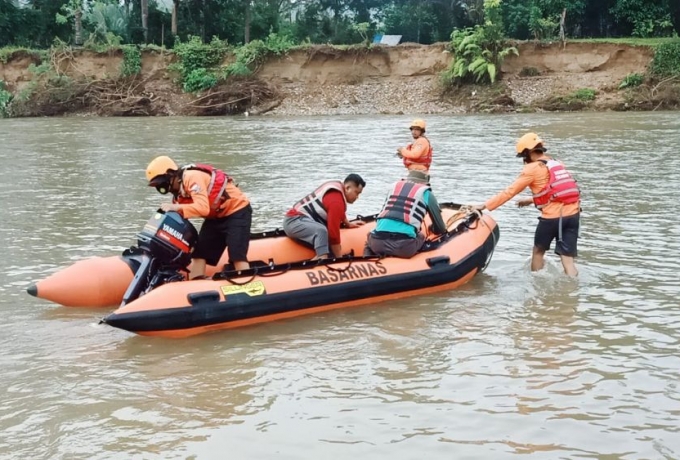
point(378, 80)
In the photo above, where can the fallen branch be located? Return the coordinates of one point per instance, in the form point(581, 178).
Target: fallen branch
point(220, 104)
point(666, 80)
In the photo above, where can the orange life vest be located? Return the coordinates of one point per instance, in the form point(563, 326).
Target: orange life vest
point(561, 186)
point(425, 160)
point(216, 189)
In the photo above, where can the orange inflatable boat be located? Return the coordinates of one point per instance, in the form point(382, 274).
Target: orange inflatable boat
point(148, 281)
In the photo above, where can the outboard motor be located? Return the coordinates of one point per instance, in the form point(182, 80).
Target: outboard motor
point(163, 251)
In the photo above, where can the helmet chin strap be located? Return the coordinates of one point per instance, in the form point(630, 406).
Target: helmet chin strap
point(526, 155)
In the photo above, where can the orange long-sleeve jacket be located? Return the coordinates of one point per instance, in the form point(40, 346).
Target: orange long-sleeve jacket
point(195, 186)
point(418, 156)
point(534, 175)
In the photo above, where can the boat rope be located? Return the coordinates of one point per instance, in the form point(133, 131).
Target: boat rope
point(480, 218)
point(465, 216)
point(276, 270)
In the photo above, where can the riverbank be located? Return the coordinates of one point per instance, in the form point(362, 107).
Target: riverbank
point(324, 80)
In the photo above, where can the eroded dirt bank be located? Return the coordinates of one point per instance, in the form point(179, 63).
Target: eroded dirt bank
point(325, 80)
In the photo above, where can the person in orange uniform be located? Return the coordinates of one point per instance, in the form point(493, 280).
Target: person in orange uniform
point(555, 193)
point(200, 190)
point(316, 219)
point(418, 155)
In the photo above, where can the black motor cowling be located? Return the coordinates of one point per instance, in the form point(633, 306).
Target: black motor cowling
point(169, 238)
point(163, 250)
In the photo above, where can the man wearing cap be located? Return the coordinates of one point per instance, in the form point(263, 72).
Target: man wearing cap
point(200, 190)
point(418, 155)
point(397, 232)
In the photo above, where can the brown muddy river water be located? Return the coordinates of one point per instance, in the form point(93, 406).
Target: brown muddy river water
point(512, 363)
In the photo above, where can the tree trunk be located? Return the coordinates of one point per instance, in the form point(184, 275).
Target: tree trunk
point(78, 25)
point(145, 19)
point(175, 8)
point(246, 37)
point(126, 6)
point(336, 18)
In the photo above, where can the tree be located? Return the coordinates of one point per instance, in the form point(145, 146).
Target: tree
point(246, 32)
point(675, 15)
point(414, 20)
point(175, 9)
point(647, 18)
point(145, 19)
point(73, 9)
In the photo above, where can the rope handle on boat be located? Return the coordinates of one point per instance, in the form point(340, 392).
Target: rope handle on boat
point(480, 218)
point(276, 270)
point(238, 283)
point(465, 212)
point(351, 258)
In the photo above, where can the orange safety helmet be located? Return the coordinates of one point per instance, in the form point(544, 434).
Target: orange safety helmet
point(418, 123)
point(530, 141)
point(160, 166)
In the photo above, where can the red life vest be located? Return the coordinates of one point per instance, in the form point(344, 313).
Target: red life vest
point(424, 160)
point(216, 189)
point(406, 203)
point(312, 204)
point(561, 187)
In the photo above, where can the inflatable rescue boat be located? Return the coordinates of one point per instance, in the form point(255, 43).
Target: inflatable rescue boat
point(148, 281)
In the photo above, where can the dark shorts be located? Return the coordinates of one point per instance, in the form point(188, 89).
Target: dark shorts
point(232, 232)
point(549, 229)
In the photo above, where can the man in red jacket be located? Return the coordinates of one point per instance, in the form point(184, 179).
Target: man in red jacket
point(316, 219)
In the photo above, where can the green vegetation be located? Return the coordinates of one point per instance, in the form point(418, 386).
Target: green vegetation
point(632, 80)
point(478, 52)
point(632, 41)
point(5, 98)
point(581, 95)
point(197, 62)
point(132, 61)
point(666, 62)
point(252, 54)
point(9, 52)
point(35, 23)
point(576, 100)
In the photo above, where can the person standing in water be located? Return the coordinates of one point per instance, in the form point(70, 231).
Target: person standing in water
point(555, 194)
point(417, 156)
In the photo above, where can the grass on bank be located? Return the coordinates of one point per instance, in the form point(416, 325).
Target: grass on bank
point(633, 41)
point(8, 52)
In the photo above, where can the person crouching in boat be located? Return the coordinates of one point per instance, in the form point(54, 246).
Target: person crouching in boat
point(200, 190)
point(555, 193)
point(397, 232)
point(418, 155)
point(316, 219)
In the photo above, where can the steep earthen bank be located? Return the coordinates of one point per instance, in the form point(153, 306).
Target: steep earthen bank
point(326, 80)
